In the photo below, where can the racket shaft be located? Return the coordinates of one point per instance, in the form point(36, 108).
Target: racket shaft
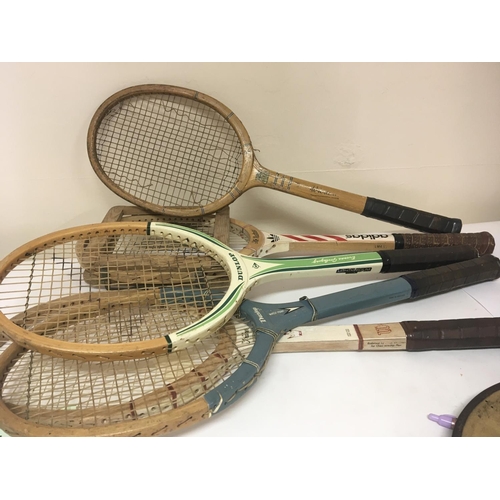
point(261, 243)
point(409, 287)
point(384, 261)
point(306, 244)
point(259, 271)
point(467, 333)
point(369, 207)
point(271, 322)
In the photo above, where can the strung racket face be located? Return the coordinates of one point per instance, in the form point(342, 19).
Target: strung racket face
point(41, 395)
point(170, 149)
point(44, 395)
point(92, 292)
point(180, 152)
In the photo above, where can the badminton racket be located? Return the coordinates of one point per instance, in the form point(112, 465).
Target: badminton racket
point(249, 240)
point(180, 292)
point(41, 395)
point(179, 152)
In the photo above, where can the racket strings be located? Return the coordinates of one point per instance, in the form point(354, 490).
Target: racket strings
point(239, 237)
point(112, 289)
point(163, 147)
point(56, 392)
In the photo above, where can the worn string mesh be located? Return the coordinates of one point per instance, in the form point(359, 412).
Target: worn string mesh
point(74, 394)
point(169, 150)
point(125, 287)
point(237, 238)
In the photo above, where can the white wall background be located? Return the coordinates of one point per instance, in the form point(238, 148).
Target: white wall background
point(423, 135)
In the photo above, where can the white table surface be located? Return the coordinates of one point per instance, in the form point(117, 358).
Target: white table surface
point(366, 393)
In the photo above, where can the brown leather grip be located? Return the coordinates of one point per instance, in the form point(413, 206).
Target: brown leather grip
point(483, 242)
point(467, 333)
point(447, 278)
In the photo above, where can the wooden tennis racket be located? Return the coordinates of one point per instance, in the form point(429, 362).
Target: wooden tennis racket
point(249, 240)
point(155, 299)
point(41, 395)
point(179, 152)
point(470, 333)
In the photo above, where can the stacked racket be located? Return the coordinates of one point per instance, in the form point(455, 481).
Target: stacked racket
point(139, 325)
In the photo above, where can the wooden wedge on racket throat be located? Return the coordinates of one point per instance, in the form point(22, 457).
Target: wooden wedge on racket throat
point(179, 152)
point(42, 395)
point(250, 240)
point(170, 303)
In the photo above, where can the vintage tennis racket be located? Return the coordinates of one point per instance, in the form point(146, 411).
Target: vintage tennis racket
point(141, 303)
point(249, 240)
point(470, 333)
point(41, 395)
point(179, 152)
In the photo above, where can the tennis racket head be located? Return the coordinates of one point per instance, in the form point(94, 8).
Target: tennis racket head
point(41, 395)
point(170, 149)
point(71, 294)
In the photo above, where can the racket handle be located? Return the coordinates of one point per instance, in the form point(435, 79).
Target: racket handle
point(410, 217)
point(448, 334)
point(413, 259)
point(406, 287)
point(447, 278)
point(483, 242)
point(452, 334)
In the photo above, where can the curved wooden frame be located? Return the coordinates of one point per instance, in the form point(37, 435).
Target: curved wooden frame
point(253, 174)
point(131, 350)
point(169, 421)
point(230, 117)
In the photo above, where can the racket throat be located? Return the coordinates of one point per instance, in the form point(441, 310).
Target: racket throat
point(277, 319)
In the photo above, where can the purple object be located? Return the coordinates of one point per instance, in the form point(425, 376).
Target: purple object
point(447, 421)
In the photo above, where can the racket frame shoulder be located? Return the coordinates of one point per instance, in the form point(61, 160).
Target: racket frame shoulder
point(255, 238)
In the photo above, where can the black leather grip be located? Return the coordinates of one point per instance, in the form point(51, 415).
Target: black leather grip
point(452, 334)
point(448, 278)
point(414, 259)
point(410, 217)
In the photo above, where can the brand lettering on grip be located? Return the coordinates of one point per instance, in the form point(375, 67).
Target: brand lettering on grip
point(237, 264)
